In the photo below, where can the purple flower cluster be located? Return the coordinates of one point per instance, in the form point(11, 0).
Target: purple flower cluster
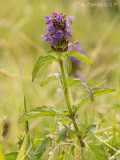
point(58, 31)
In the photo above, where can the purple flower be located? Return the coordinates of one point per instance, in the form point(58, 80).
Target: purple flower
point(75, 47)
point(53, 41)
point(59, 17)
point(58, 31)
point(49, 21)
point(68, 33)
point(69, 22)
point(47, 17)
point(47, 38)
point(74, 60)
point(58, 34)
point(50, 29)
point(74, 43)
point(43, 36)
point(53, 14)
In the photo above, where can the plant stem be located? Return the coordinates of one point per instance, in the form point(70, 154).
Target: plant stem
point(26, 123)
point(66, 93)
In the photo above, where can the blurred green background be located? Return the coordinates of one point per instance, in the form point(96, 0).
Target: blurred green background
point(21, 25)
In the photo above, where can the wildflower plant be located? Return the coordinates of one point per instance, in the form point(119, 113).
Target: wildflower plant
point(58, 34)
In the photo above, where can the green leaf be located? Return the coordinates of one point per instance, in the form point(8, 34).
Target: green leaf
point(96, 92)
point(93, 151)
point(62, 134)
point(11, 156)
point(40, 63)
point(41, 148)
point(91, 128)
point(69, 65)
point(82, 100)
point(22, 149)
point(39, 111)
point(79, 56)
point(83, 128)
point(71, 81)
point(76, 133)
point(30, 155)
point(90, 132)
point(1, 155)
point(51, 77)
point(100, 91)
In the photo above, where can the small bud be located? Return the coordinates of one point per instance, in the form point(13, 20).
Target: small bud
point(55, 14)
point(59, 49)
point(65, 42)
point(66, 48)
point(53, 48)
point(64, 16)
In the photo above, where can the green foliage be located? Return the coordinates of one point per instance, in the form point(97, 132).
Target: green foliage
point(22, 149)
point(79, 56)
point(40, 111)
point(41, 148)
point(62, 134)
point(79, 83)
point(96, 92)
point(51, 77)
point(85, 131)
point(93, 151)
point(91, 128)
point(76, 133)
point(11, 156)
point(71, 81)
point(40, 63)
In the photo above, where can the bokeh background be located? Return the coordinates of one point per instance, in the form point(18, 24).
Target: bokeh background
point(21, 25)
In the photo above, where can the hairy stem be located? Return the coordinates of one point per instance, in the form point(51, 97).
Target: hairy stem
point(66, 93)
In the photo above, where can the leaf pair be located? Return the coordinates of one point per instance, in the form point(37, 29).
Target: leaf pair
point(51, 111)
point(78, 82)
point(96, 92)
point(49, 58)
